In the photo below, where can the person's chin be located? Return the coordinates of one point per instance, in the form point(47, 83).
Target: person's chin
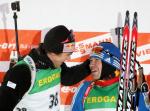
point(57, 65)
point(94, 76)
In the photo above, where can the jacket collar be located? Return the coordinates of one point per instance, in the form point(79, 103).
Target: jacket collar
point(41, 60)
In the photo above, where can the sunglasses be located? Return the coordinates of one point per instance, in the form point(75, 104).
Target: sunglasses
point(99, 49)
point(70, 38)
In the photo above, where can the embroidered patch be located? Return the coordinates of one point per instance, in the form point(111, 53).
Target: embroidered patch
point(11, 84)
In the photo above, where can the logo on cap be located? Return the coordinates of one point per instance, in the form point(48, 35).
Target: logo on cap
point(69, 47)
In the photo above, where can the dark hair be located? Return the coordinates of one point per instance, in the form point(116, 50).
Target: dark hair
point(107, 71)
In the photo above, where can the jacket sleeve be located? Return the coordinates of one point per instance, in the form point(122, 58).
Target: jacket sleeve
point(77, 102)
point(74, 74)
point(16, 82)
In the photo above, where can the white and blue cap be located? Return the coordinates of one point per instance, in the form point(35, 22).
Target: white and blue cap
point(108, 53)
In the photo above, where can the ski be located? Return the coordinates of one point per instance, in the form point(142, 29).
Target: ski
point(127, 86)
point(124, 58)
point(131, 71)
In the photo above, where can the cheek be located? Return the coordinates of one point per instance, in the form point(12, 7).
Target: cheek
point(99, 67)
point(65, 58)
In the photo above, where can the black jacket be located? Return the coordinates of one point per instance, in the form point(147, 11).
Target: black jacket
point(20, 75)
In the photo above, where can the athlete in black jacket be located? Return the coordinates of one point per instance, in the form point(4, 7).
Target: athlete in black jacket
point(48, 59)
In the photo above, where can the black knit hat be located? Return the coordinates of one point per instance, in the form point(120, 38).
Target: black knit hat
point(59, 39)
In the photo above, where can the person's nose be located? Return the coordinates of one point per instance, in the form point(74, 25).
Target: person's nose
point(92, 63)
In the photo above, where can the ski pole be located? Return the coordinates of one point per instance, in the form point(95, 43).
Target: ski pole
point(15, 54)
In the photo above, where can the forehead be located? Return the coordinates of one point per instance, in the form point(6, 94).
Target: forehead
point(66, 53)
point(95, 59)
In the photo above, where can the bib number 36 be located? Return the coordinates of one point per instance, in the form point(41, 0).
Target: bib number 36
point(53, 100)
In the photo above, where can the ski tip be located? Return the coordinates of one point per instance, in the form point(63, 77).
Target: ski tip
point(127, 12)
point(135, 14)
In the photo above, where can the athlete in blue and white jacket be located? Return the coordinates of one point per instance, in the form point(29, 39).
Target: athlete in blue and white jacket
point(101, 94)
